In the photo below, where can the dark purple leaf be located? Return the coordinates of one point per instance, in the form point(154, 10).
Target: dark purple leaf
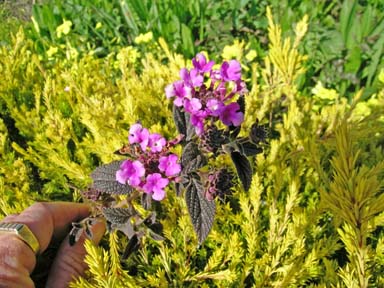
point(259, 133)
point(191, 158)
point(244, 146)
point(241, 102)
point(201, 210)
point(154, 228)
point(247, 147)
point(250, 149)
point(190, 152)
point(179, 119)
point(104, 179)
point(243, 168)
point(191, 132)
point(183, 123)
point(118, 215)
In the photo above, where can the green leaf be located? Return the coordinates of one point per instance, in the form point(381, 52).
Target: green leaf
point(129, 17)
point(367, 22)
point(347, 21)
point(376, 58)
point(353, 60)
point(187, 40)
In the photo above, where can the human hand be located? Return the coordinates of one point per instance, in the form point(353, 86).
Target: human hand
point(50, 223)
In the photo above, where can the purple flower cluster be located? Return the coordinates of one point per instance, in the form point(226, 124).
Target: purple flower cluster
point(152, 166)
point(206, 93)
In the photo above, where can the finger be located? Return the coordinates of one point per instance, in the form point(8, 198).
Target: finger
point(16, 260)
point(69, 262)
point(47, 220)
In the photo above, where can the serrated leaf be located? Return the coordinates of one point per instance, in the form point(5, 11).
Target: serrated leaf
point(191, 158)
point(190, 152)
point(195, 164)
point(179, 119)
point(118, 215)
point(191, 132)
point(201, 211)
point(243, 169)
point(104, 179)
point(183, 123)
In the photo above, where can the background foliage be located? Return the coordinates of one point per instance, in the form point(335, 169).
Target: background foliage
point(314, 214)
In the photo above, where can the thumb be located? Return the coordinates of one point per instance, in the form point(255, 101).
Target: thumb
point(69, 262)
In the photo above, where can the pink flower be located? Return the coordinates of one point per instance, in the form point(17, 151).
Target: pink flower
point(179, 90)
point(138, 134)
point(215, 107)
point(191, 78)
point(130, 172)
point(168, 165)
point(156, 142)
point(155, 185)
point(200, 63)
point(192, 106)
point(231, 71)
point(197, 120)
point(231, 115)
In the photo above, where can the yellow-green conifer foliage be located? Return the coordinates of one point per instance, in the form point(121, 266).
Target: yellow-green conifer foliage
point(70, 116)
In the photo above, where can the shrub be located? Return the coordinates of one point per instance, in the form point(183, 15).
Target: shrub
point(314, 212)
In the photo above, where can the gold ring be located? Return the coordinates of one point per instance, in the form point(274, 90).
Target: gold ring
point(23, 232)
